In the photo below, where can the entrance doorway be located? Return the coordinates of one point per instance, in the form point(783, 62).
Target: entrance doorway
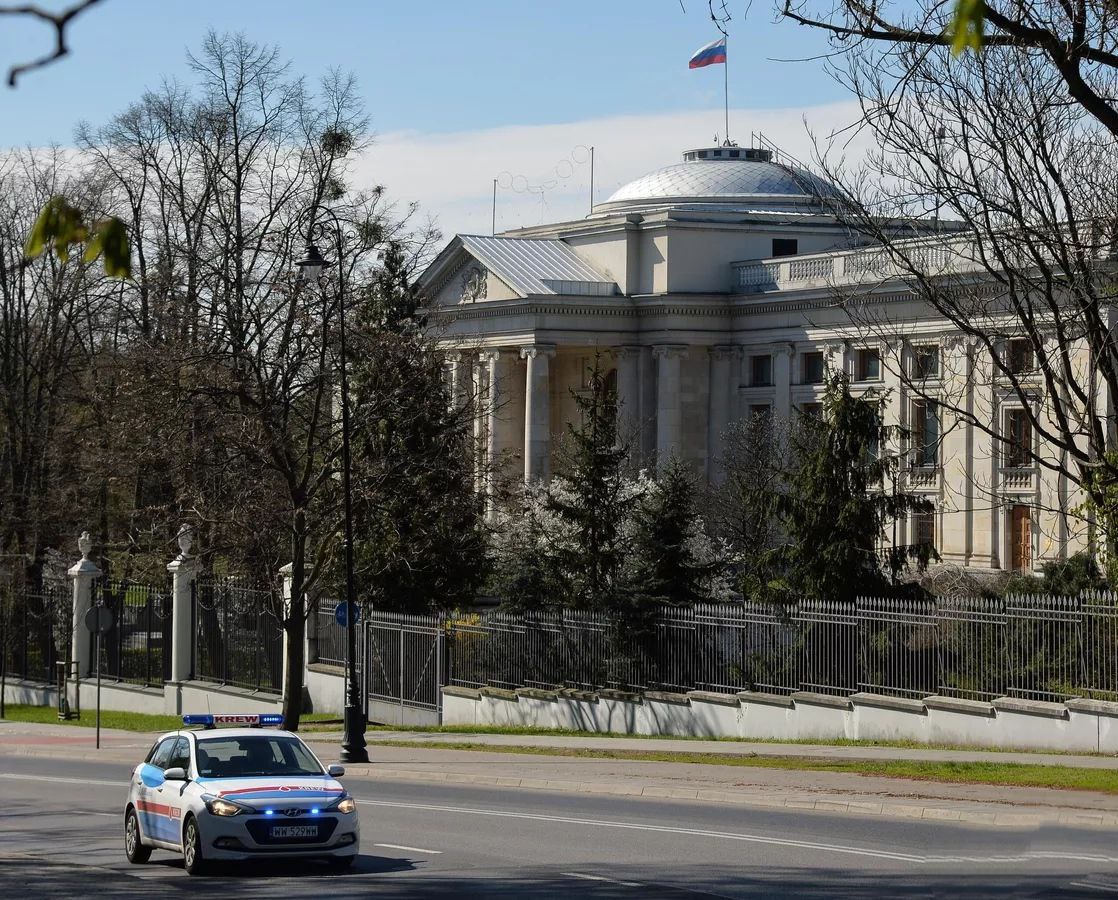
point(1020, 539)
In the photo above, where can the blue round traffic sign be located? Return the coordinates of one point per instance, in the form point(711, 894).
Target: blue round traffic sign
point(340, 614)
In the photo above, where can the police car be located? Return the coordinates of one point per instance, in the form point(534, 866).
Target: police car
point(238, 793)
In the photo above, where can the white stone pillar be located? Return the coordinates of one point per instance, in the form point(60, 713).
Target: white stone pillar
point(84, 572)
point(668, 413)
point(723, 377)
point(647, 379)
point(628, 399)
point(782, 383)
point(479, 384)
point(537, 412)
point(285, 575)
point(459, 377)
point(497, 376)
point(184, 570)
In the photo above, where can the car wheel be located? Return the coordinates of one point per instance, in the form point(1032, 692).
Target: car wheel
point(192, 847)
point(134, 848)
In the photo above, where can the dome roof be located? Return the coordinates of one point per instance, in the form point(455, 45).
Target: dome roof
point(723, 176)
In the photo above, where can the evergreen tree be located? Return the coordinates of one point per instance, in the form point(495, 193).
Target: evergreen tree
point(599, 502)
point(669, 567)
point(835, 509)
point(420, 540)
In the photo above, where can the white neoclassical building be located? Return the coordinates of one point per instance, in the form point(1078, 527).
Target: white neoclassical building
point(708, 288)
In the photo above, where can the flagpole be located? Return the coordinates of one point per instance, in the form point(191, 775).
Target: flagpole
point(726, 87)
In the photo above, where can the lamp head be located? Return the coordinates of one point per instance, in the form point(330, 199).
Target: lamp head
point(312, 263)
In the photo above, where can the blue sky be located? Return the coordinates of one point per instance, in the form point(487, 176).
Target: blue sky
point(438, 71)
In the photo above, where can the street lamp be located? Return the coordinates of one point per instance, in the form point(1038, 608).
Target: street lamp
point(354, 749)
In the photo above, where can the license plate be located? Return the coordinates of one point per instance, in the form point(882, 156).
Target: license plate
point(294, 831)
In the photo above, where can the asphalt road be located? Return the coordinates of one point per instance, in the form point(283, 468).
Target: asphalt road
point(60, 835)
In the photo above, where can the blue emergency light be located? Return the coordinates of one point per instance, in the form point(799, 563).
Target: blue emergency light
point(252, 720)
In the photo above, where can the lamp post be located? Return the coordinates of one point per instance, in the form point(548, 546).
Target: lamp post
point(353, 741)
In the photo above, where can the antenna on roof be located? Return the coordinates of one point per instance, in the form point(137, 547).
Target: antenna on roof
point(591, 179)
point(493, 227)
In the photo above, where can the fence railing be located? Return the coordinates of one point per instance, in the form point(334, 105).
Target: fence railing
point(137, 649)
point(238, 638)
point(1045, 648)
point(35, 629)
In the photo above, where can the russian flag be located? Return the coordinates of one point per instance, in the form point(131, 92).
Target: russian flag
point(714, 52)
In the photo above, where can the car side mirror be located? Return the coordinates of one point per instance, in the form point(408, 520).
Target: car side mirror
point(177, 773)
point(335, 771)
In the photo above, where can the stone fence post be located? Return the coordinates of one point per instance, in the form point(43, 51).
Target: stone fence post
point(184, 570)
point(285, 574)
point(84, 572)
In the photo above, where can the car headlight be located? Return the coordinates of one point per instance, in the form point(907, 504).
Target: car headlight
point(221, 807)
point(345, 805)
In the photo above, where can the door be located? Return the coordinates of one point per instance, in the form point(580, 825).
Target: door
point(1021, 539)
point(148, 802)
point(168, 796)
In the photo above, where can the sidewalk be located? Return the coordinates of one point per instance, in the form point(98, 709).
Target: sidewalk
point(829, 792)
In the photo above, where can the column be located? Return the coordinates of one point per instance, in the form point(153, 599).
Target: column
point(723, 379)
point(84, 572)
point(184, 569)
point(646, 367)
point(459, 372)
point(498, 376)
point(479, 377)
point(782, 383)
point(537, 412)
point(668, 414)
point(628, 400)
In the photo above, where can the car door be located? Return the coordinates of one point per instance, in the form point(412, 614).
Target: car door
point(168, 796)
point(148, 802)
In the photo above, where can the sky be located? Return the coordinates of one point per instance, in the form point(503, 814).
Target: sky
point(460, 93)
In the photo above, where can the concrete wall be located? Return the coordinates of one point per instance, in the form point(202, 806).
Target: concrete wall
point(1080, 726)
point(172, 699)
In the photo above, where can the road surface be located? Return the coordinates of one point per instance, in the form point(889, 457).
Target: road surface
point(60, 835)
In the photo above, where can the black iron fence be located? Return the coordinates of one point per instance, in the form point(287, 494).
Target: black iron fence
point(238, 637)
point(1047, 648)
point(36, 623)
point(137, 649)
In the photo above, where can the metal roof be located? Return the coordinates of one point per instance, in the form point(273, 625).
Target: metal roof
point(537, 266)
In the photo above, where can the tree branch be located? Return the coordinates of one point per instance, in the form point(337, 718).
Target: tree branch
point(59, 21)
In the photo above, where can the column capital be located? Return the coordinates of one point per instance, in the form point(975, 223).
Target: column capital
point(491, 354)
point(670, 351)
point(532, 351)
point(788, 350)
point(724, 351)
point(625, 352)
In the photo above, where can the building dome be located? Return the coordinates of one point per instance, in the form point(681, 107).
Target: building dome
point(731, 178)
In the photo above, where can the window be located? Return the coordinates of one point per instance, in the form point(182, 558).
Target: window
point(812, 368)
point(161, 753)
point(869, 365)
point(785, 246)
point(924, 528)
point(242, 757)
point(1019, 437)
point(925, 434)
point(925, 362)
point(180, 755)
point(761, 371)
point(1018, 356)
point(812, 410)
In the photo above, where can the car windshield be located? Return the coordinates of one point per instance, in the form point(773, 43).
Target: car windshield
point(244, 757)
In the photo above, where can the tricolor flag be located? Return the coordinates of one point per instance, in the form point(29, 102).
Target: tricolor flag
point(714, 52)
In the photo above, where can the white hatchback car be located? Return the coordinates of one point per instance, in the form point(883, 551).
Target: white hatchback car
point(237, 794)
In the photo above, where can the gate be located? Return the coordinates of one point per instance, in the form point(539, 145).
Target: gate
point(403, 664)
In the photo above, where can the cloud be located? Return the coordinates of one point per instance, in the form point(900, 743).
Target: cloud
point(543, 171)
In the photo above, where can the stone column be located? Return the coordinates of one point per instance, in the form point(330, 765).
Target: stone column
point(723, 378)
point(459, 376)
point(646, 366)
point(628, 400)
point(84, 572)
point(497, 365)
point(479, 378)
point(782, 383)
point(537, 412)
point(668, 413)
point(184, 570)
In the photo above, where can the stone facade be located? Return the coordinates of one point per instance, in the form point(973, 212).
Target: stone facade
point(708, 292)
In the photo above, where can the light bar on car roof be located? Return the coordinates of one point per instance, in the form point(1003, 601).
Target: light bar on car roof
point(254, 720)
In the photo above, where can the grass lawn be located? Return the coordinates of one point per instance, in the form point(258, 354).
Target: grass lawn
point(1011, 774)
point(110, 718)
